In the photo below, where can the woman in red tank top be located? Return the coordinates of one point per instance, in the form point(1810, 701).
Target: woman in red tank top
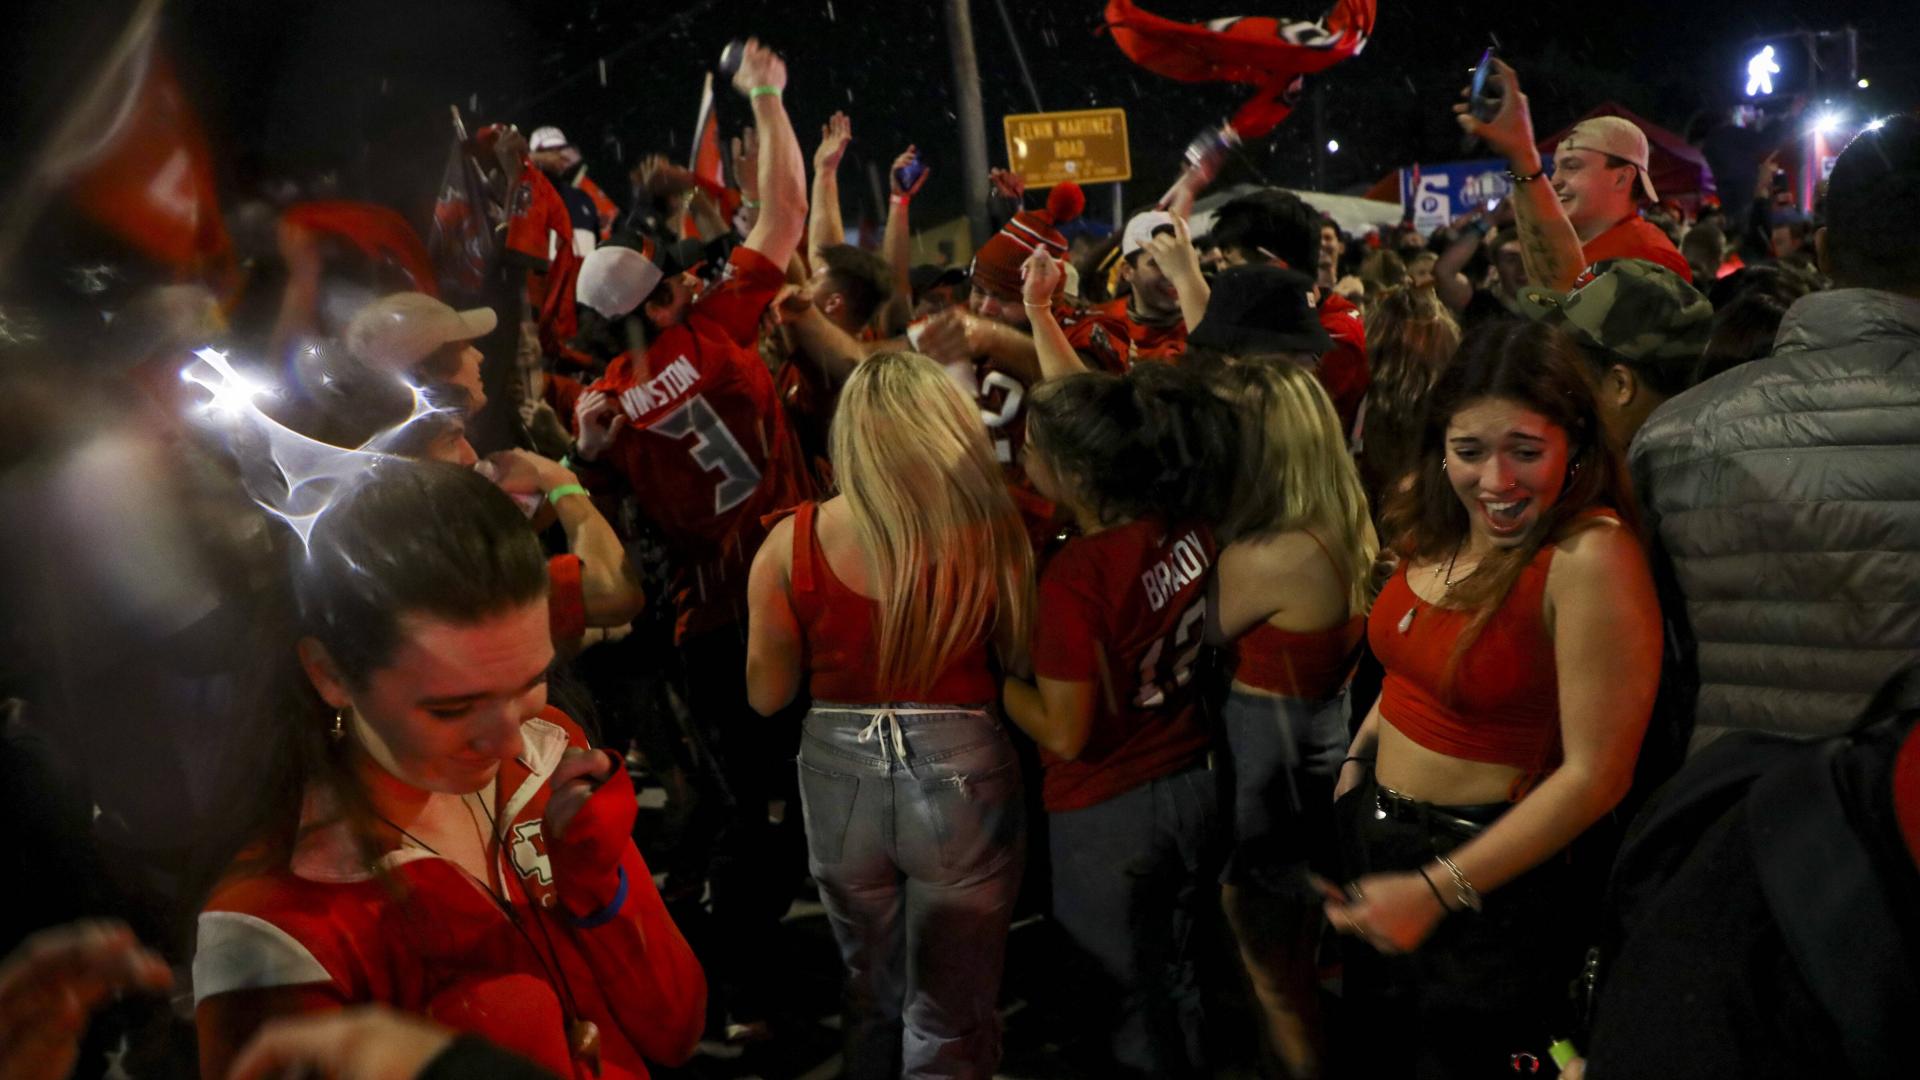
point(1290, 600)
point(1521, 643)
point(891, 599)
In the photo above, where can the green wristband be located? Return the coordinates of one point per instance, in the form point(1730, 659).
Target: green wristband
point(763, 91)
point(563, 491)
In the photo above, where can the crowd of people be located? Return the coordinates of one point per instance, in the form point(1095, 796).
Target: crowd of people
point(1236, 581)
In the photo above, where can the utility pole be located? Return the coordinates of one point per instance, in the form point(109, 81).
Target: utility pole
point(973, 121)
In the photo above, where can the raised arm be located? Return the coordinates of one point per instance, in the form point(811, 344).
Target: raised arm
point(898, 241)
point(1040, 278)
point(1548, 242)
point(1449, 283)
point(824, 228)
point(762, 78)
point(1176, 258)
point(610, 586)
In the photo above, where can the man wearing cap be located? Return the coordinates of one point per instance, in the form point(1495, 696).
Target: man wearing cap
point(589, 206)
point(1642, 330)
point(1785, 492)
point(1590, 210)
point(1151, 310)
point(424, 341)
point(687, 421)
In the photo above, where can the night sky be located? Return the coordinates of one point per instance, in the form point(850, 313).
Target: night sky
point(296, 89)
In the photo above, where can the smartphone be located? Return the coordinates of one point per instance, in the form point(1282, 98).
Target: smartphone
point(909, 174)
point(731, 56)
point(1482, 105)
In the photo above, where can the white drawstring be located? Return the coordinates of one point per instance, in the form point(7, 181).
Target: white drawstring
point(882, 724)
point(885, 723)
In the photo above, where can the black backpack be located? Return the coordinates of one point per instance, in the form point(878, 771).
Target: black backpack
point(1826, 894)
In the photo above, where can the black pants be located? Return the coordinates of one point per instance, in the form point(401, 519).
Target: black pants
point(1486, 993)
point(756, 866)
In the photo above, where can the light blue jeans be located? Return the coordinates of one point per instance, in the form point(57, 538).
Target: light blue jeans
point(916, 834)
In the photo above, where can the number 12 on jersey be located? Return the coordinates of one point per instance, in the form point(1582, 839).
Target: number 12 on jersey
point(1160, 673)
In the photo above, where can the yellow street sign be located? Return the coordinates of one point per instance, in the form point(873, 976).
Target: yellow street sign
point(1087, 146)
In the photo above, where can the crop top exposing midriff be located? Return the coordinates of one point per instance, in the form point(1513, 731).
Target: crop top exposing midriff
point(838, 627)
point(1501, 705)
point(1311, 665)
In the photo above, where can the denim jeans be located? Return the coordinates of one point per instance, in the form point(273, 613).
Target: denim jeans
point(916, 833)
point(1286, 755)
point(1131, 876)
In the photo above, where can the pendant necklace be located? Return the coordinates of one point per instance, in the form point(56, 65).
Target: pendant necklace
point(583, 1036)
point(1446, 588)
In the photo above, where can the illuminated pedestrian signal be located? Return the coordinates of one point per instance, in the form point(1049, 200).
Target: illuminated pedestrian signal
point(1760, 72)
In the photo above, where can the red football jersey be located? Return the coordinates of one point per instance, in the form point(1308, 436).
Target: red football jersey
point(707, 450)
point(421, 935)
point(540, 234)
point(1161, 344)
point(1126, 610)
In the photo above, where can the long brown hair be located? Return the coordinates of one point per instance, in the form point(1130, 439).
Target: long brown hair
point(1539, 367)
point(1410, 338)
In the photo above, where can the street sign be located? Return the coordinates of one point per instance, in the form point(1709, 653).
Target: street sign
point(1087, 146)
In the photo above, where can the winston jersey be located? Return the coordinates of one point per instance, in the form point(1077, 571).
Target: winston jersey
point(1145, 343)
point(1126, 610)
point(416, 932)
point(707, 450)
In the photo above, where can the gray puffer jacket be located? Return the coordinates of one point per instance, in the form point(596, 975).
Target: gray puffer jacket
point(1785, 496)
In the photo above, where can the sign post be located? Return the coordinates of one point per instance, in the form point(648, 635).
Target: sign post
point(1087, 146)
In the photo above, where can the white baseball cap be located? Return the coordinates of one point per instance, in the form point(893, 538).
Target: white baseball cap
point(547, 138)
point(1140, 229)
point(398, 331)
point(1615, 136)
point(614, 280)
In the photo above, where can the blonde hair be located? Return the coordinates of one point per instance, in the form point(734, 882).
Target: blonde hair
point(951, 558)
point(1295, 471)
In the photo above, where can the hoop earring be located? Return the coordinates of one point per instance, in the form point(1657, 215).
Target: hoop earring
point(339, 729)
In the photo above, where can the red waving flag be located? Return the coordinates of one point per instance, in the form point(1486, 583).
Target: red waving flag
point(149, 179)
point(379, 233)
point(1271, 54)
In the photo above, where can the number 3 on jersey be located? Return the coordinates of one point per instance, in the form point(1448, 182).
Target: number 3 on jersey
point(1157, 678)
point(714, 449)
point(1013, 395)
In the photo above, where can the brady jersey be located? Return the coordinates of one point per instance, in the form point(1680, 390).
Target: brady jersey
point(1126, 609)
point(540, 235)
point(1145, 343)
point(707, 450)
point(418, 933)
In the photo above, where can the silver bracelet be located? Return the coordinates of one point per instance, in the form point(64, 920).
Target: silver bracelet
point(1463, 889)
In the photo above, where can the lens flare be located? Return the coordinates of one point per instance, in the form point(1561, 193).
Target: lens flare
point(306, 475)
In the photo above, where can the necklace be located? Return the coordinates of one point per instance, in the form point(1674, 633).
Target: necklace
point(1446, 587)
point(583, 1036)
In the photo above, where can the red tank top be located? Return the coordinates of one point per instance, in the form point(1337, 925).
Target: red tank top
point(838, 626)
point(1502, 703)
point(1311, 665)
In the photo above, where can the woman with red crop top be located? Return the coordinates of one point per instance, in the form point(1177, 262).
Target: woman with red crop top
point(1144, 462)
point(1291, 596)
point(1521, 643)
point(890, 601)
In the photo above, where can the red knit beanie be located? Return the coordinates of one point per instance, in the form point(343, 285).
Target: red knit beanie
point(996, 266)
